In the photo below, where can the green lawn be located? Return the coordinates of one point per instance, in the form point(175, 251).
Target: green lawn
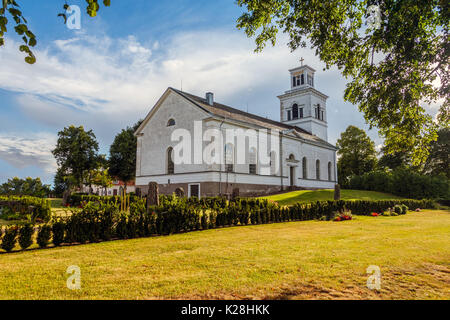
point(296, 260)
point(323, 195)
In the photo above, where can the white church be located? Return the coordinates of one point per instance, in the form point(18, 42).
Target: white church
point(301, 158)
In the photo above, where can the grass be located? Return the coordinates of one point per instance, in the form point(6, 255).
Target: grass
point(296, 260)
point(323, 195)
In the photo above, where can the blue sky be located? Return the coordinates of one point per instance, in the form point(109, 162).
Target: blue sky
point(110, 73)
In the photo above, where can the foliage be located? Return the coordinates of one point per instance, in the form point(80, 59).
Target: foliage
point(25, 187)
point(403, 182)
point(10, 238)
point(122, 155)
point(58, 228)
point(393, 67)
point(438, 161)
point(11, 7)
point(394, 160)
point(103, 221)
point(26, 236)
point(27, 207)
point(356, 153)
point(44, 235)
point(76, 153)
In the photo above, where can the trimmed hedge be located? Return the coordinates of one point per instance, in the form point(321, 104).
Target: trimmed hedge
point(26, 207)
point(102, 221)
point(404, 183)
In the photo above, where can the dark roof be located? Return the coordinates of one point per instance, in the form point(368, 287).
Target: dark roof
point(228, 112)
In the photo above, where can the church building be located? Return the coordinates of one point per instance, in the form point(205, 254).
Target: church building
point(301, 158)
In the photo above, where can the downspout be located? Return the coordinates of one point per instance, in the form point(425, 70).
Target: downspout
point(281, 160)
point(220, 169)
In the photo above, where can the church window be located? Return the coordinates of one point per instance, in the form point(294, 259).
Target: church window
point(289, 117)
point(321, 115)
point(171, 123)
point(316, 113)
point(295, 111)
point(252, 161)
point(303, 79)
point(170, 163)
point(301, 112)
point(229, 158)
point(294, 81)
point(305, 168)
point(318, 169)
point(329, 171)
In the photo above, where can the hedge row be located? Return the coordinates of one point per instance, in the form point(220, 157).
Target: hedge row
point(404, 183)
point(19, 208)
point(102, 221)
point(77, 199)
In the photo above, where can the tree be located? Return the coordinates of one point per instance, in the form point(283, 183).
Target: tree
point(438, 161)
point(103, 179)
point(25, 187)
point(395, 64)
point(76, 153)
point(11, 8)
point(356, 153)
point(392, 161)
point(122, 155)
point(62, 182)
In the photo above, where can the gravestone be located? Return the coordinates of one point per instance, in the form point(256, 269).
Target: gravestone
point(66, 195)
point(235, 193)
point(179, 192)
point(337, 192)
point(153, 194)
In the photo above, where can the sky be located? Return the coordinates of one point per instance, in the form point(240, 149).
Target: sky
point(110, 73)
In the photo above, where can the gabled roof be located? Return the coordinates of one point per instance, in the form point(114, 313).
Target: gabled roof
point(224, 111)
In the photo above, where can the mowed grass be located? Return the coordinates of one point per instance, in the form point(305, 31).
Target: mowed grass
point(295, 260)
point(291, 198)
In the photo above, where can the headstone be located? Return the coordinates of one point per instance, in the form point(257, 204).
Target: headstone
point(337, 192)
point(179, 192)
point(66, 195)
point(153, 194)
point(235, 193)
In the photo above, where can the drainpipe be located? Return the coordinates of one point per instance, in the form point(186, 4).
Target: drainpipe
point(281, 160)
point(220, 169)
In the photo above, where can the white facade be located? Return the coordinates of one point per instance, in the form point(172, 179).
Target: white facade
point(179, 110)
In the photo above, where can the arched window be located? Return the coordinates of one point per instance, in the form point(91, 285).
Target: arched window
point(291, 157)
point(171, 123)
point(329, 171)
point(295, 111)
point(273, 164)
point(170, 163)
point(229, 157)
point(252, 161)
point(305, 168)
point(318, 169)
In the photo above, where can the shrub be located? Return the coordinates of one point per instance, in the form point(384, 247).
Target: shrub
point(398, 209)
point(37, 209)
point(404, 209)
point(44, 235)
point(26, 236)
point(10, 239)
point(58, 230)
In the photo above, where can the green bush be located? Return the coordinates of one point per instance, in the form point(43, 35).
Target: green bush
point(404, 208)
point(10, 238)
point(26, 233)
point(36, 209)
point(44, 235)
point(404, 183)
point(398, 209)
point(58, 229)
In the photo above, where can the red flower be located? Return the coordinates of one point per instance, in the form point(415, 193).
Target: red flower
point(337, 219)
point(374, 214)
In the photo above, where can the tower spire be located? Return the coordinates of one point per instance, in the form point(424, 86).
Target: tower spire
point(301, 61)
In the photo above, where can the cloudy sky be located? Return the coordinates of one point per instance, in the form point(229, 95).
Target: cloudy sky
point(110, 73)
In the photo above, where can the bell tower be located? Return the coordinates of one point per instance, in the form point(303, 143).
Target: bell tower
point(304, 106)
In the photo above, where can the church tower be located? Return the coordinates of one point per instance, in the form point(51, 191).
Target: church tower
point(304, 106)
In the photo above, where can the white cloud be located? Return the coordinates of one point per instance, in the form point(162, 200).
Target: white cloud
point(25, 151)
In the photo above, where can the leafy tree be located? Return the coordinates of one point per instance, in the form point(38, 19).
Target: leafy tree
point(398, 159)
point(439, 160)
point(11, 9)
point(356, 153)
point(76, 153)
point(103, 179)
point(122, 155)
point(394, 67)
point(25, 187)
